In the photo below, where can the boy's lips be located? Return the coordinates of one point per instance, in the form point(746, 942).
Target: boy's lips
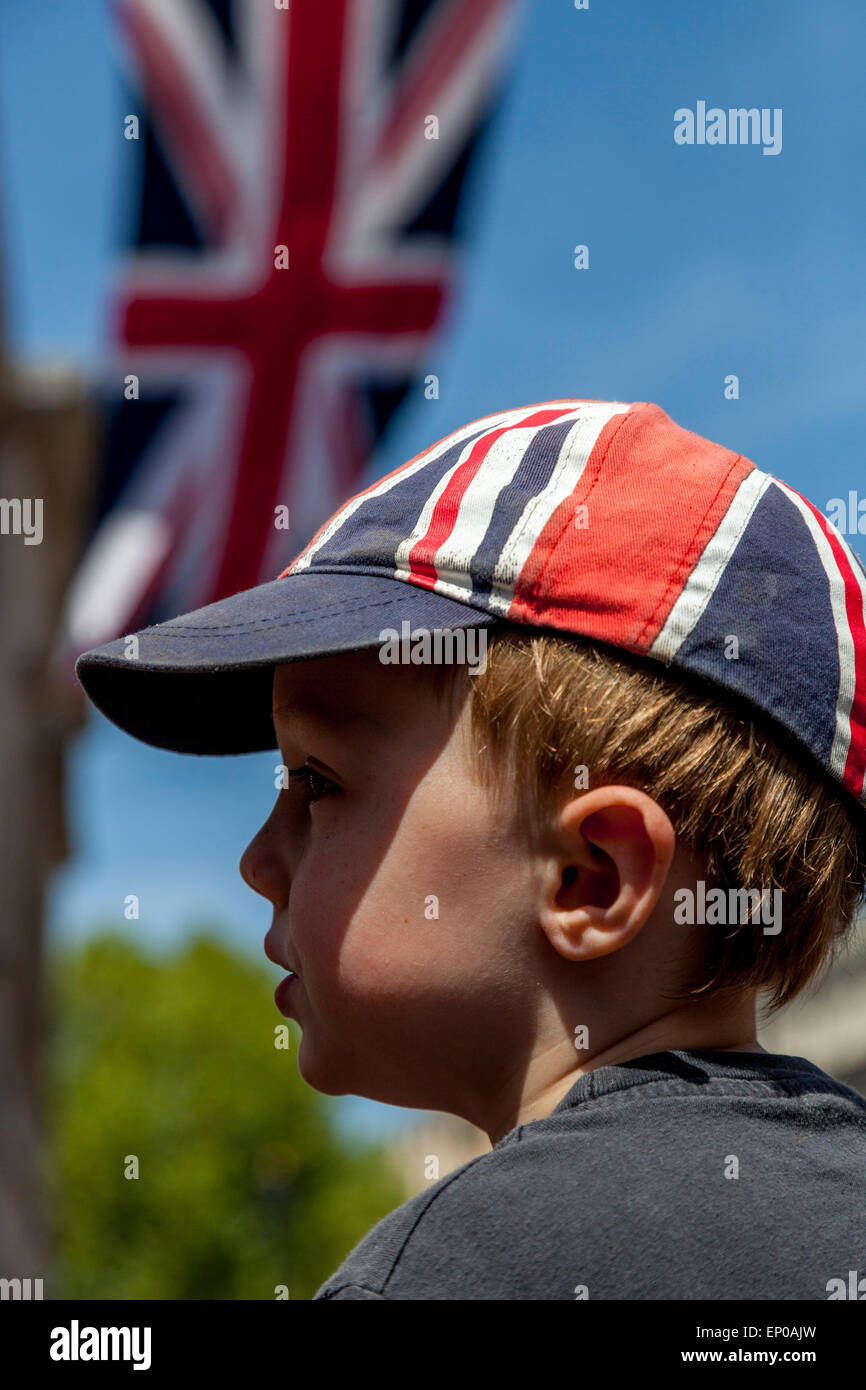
point(282, 993)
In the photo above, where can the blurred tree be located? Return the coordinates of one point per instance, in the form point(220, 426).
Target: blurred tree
point(242, 1185)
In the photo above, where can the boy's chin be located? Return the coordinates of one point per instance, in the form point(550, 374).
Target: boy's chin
point(331, 1079)
point(311, 1070)
point(327, 1074)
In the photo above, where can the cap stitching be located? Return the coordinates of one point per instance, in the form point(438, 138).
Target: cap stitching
point(167, 630)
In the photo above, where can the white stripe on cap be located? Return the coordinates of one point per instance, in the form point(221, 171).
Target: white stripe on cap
point(701, 583)
point(476, 507)
point(379, 489)
point(592, 416)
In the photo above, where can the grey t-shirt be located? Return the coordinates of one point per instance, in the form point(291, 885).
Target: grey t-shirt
point(680, 1175)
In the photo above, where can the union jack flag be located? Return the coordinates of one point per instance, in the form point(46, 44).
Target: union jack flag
point(303, 165)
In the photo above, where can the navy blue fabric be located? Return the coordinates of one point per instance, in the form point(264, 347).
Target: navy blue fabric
point(774, 596)
point(370, 537)
point(680, 1175)
point(202, 683)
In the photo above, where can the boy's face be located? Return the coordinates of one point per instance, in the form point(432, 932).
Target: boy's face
point(403, 898)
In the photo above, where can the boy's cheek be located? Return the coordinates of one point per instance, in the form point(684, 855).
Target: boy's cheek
point(369, 924)
point(354, 953)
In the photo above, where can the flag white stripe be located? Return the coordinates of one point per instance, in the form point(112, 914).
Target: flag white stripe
point(392, 192)
point(117, 568)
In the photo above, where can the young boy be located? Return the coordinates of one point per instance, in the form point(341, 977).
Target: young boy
point(541, 885)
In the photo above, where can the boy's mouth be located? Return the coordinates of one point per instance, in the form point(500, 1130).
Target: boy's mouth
point(282, 992)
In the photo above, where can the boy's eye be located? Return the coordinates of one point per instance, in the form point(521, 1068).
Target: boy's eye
point(315, 783)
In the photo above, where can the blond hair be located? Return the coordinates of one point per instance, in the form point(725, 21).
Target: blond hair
point(738, 793)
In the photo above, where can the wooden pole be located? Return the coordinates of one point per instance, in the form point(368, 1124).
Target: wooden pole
point(46, 455)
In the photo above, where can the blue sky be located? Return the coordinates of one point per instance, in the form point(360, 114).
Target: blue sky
point(704, 261)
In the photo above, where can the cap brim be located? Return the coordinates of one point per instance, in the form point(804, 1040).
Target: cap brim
point(155, 689)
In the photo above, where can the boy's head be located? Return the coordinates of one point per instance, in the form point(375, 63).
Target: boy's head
point(438, 877)
point(643, 806)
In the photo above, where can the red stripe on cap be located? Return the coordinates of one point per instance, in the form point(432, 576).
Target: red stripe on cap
point(618, 579)
point(421, 568)
point(568, 402)
point(377, 483)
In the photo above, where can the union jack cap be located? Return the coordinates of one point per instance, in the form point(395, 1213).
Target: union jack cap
point(602, 519)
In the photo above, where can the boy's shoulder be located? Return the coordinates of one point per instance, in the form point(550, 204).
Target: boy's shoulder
point(678, 1175)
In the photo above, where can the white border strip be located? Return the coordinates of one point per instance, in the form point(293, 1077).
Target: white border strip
point(701, 583)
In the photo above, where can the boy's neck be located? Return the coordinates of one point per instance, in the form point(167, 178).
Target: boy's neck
point(694, 1027)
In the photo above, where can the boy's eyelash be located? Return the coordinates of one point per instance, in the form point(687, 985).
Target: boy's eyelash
point(310, 777)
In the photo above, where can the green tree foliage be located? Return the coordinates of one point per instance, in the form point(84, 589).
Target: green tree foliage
point(243, 1185)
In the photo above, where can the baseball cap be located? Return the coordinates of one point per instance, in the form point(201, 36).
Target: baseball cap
point(600, 519)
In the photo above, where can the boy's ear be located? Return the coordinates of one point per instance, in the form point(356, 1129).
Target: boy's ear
point(613, 850)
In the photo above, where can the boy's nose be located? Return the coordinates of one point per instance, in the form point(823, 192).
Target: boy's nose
point(262, 869)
